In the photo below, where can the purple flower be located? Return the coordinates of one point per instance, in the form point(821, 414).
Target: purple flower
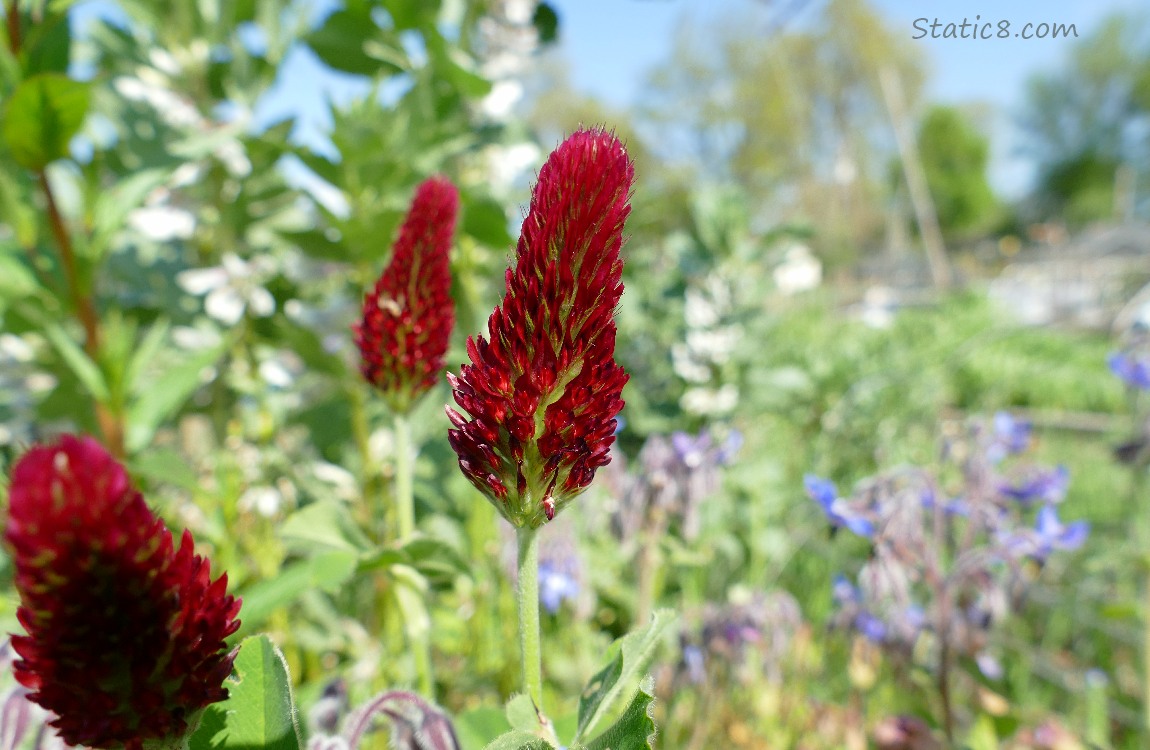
point(871, 627)
point(844, 592)
point(695, 663)
point(1049, 486)
point(1132, 369)
point(1011, 437)
point(1053, 534)
point(555, 586)
point(823, 492)
point(692, 450)
point(955, 507)
point(730, 447)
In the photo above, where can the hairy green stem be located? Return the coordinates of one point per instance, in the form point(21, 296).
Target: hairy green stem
point(404, 491)
point(529, 614)
point(418, 640)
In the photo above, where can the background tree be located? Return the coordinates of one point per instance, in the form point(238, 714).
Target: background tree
point(1087, 121)
point(796, 117)
point(954, 157)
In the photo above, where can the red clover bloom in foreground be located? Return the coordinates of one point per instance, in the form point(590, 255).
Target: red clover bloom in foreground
point(126, 633)
point(408, 316)
point(543, 389)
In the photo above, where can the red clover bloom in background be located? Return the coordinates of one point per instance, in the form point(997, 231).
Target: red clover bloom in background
point(408, 316)
point(543, 389)
point(126, 633)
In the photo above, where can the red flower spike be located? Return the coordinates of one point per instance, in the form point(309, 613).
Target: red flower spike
point(408, 316)
point(126, 633)
point(543, 389)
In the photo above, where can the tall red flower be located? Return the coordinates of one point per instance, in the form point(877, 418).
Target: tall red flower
point(125, 633)
point(543, 389)
point(408, 316)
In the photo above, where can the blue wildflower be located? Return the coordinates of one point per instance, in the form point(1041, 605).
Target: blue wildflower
point(1011, 437)
point(871, 627)
point(1048, 486)
point(1053, 534)
point(730, 447)
point(692, 450)
point(823, 492)
point(555, 586)
point(956, 507)
point(696, 664)
point(1132, 369)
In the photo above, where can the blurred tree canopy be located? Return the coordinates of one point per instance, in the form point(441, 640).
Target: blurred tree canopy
point(1086, 122)
point(795, 117)
point(954, 158)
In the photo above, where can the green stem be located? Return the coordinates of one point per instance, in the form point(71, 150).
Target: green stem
point(370, 486)
point(529, 614)
point(404, 492)
point(420, 642)
point(421, 653)
point(110, 422)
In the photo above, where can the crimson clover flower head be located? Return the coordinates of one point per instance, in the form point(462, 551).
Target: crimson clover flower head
point(125, 632)
point(409, 314)
point(542, 389)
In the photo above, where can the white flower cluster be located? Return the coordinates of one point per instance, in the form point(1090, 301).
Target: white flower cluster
point(709, 344)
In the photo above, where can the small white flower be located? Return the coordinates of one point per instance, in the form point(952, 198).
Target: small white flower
point(698, 310)
point(687, 367)
point(262, 499)
point(231, 288)
point(275, 374)
point(502, 98)
point(507, 164)
point(707, 401)
point(163, 223)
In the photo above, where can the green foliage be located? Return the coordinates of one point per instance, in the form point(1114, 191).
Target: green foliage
point(40, 118)
point(954, 158)
point(627, 660)
point(1081, 120)
point(259, 711)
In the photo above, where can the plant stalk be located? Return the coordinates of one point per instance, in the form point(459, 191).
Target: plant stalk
point(404, 490)
point(420, 641)
point(111, 421)
point(529, 614)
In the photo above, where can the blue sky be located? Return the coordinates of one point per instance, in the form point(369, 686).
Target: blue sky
point(611, 45)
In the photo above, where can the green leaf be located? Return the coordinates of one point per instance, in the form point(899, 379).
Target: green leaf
point(259, 711)
point(85, 370)
point(434, 558)
point(485, 220)
point(16, 279)
point(635, 729)
point(521, 713)
point(113, 206)
point(474, 726)
point(18, 211)
point(48, 44)
point(628, 658)
point(166, 466)
point(317, 244)
point(346, 40)
point(519, 740)
point(546, 23)
point(327, 571)
point(164, 395)
point(145, 352)
point(42, 115)
point(326, 524)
